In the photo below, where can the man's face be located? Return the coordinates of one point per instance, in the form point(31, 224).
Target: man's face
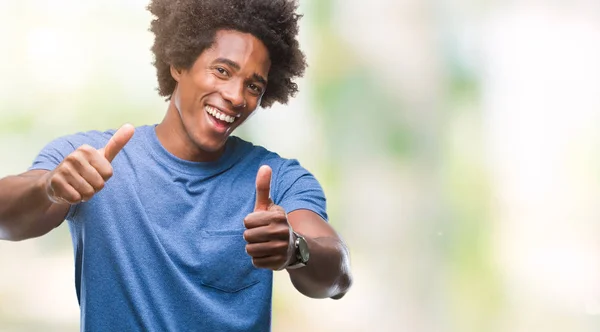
point(223, 87)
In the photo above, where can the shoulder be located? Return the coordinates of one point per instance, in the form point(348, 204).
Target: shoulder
point(95, 138)
point(251, 152)
point(264, 156)
point(250, 157)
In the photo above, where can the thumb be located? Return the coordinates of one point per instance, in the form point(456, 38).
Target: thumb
point(117, 142)
point(263, 189)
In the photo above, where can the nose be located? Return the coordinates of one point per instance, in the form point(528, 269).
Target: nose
point(233, 92)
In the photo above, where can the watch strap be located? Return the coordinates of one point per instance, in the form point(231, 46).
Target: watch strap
point(296, 261)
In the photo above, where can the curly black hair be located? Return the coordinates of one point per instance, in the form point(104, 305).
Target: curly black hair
point(183, 29)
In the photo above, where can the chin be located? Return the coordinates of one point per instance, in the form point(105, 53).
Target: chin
point(206, 141)
point(210, 145)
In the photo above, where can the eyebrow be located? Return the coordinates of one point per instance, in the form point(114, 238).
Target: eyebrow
point(259, 78)
point(236, 66)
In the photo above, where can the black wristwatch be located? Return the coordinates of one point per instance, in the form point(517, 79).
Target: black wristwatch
point(301, 252)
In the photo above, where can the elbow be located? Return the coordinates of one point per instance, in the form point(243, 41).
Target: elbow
point(343, 285)
point(9, 228)
point(15, 234)
point(11, 235)
point(345, 279)
point(16, 237)
point(334, 291)
point(334, 288)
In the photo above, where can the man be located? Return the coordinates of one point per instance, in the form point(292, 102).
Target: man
point(187, 232)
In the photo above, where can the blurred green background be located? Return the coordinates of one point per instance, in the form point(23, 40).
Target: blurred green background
point(457, 142)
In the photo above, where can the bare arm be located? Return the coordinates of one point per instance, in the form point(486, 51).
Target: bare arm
point(327, 273)
point(35, 202)
point(270, 244)
point(25, 210)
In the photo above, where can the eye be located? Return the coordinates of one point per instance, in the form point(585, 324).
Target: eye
point(255, 88)
point(222, 71)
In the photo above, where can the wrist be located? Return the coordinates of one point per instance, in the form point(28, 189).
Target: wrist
point(43, 188)
point(41, 185)
point(300, 254)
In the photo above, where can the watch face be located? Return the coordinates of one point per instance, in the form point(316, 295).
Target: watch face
point(303, 248)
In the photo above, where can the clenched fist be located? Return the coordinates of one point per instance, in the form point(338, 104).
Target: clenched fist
point(84, 172)
point(268, 233)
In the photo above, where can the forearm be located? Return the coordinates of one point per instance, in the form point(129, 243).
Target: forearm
point(23, 203)
point(327, 273)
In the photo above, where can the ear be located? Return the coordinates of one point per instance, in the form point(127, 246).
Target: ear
point(176, 73)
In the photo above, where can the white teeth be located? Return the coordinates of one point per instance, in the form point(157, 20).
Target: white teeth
point(217, 114)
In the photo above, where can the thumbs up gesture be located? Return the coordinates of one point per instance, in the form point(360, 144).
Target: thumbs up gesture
point(84, 172)
point(268, 232)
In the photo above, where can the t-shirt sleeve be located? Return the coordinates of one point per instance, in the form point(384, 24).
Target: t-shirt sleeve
point(53, 154)
point(57, 150)
point(297, 188)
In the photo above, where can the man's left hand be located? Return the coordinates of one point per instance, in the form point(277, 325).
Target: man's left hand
point(268, 233)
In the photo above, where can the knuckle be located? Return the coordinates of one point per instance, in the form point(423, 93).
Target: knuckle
point(71, 157)
point(86, 149)
point(266, 248)
point(84, 190)
point(280, 216)
point(272, 230)
point(99, 186)
point(280, 213)
point(107, 173)
point(86, 197)
point(87, 193)
point(282, 246)
point(73, 198)
point(55, 181)
point(278, 230)
point(77, 158)
point(66, 168)
point(251, 250)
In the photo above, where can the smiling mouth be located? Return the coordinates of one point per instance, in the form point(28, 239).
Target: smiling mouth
point(218, 115)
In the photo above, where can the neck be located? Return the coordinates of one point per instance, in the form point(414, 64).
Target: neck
point(173, 136)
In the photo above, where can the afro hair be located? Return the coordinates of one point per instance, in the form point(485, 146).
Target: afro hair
point(183, 29)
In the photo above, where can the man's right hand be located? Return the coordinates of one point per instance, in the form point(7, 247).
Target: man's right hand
point(84, 172)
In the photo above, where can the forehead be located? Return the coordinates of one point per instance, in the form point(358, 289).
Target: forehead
point(247, 51)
